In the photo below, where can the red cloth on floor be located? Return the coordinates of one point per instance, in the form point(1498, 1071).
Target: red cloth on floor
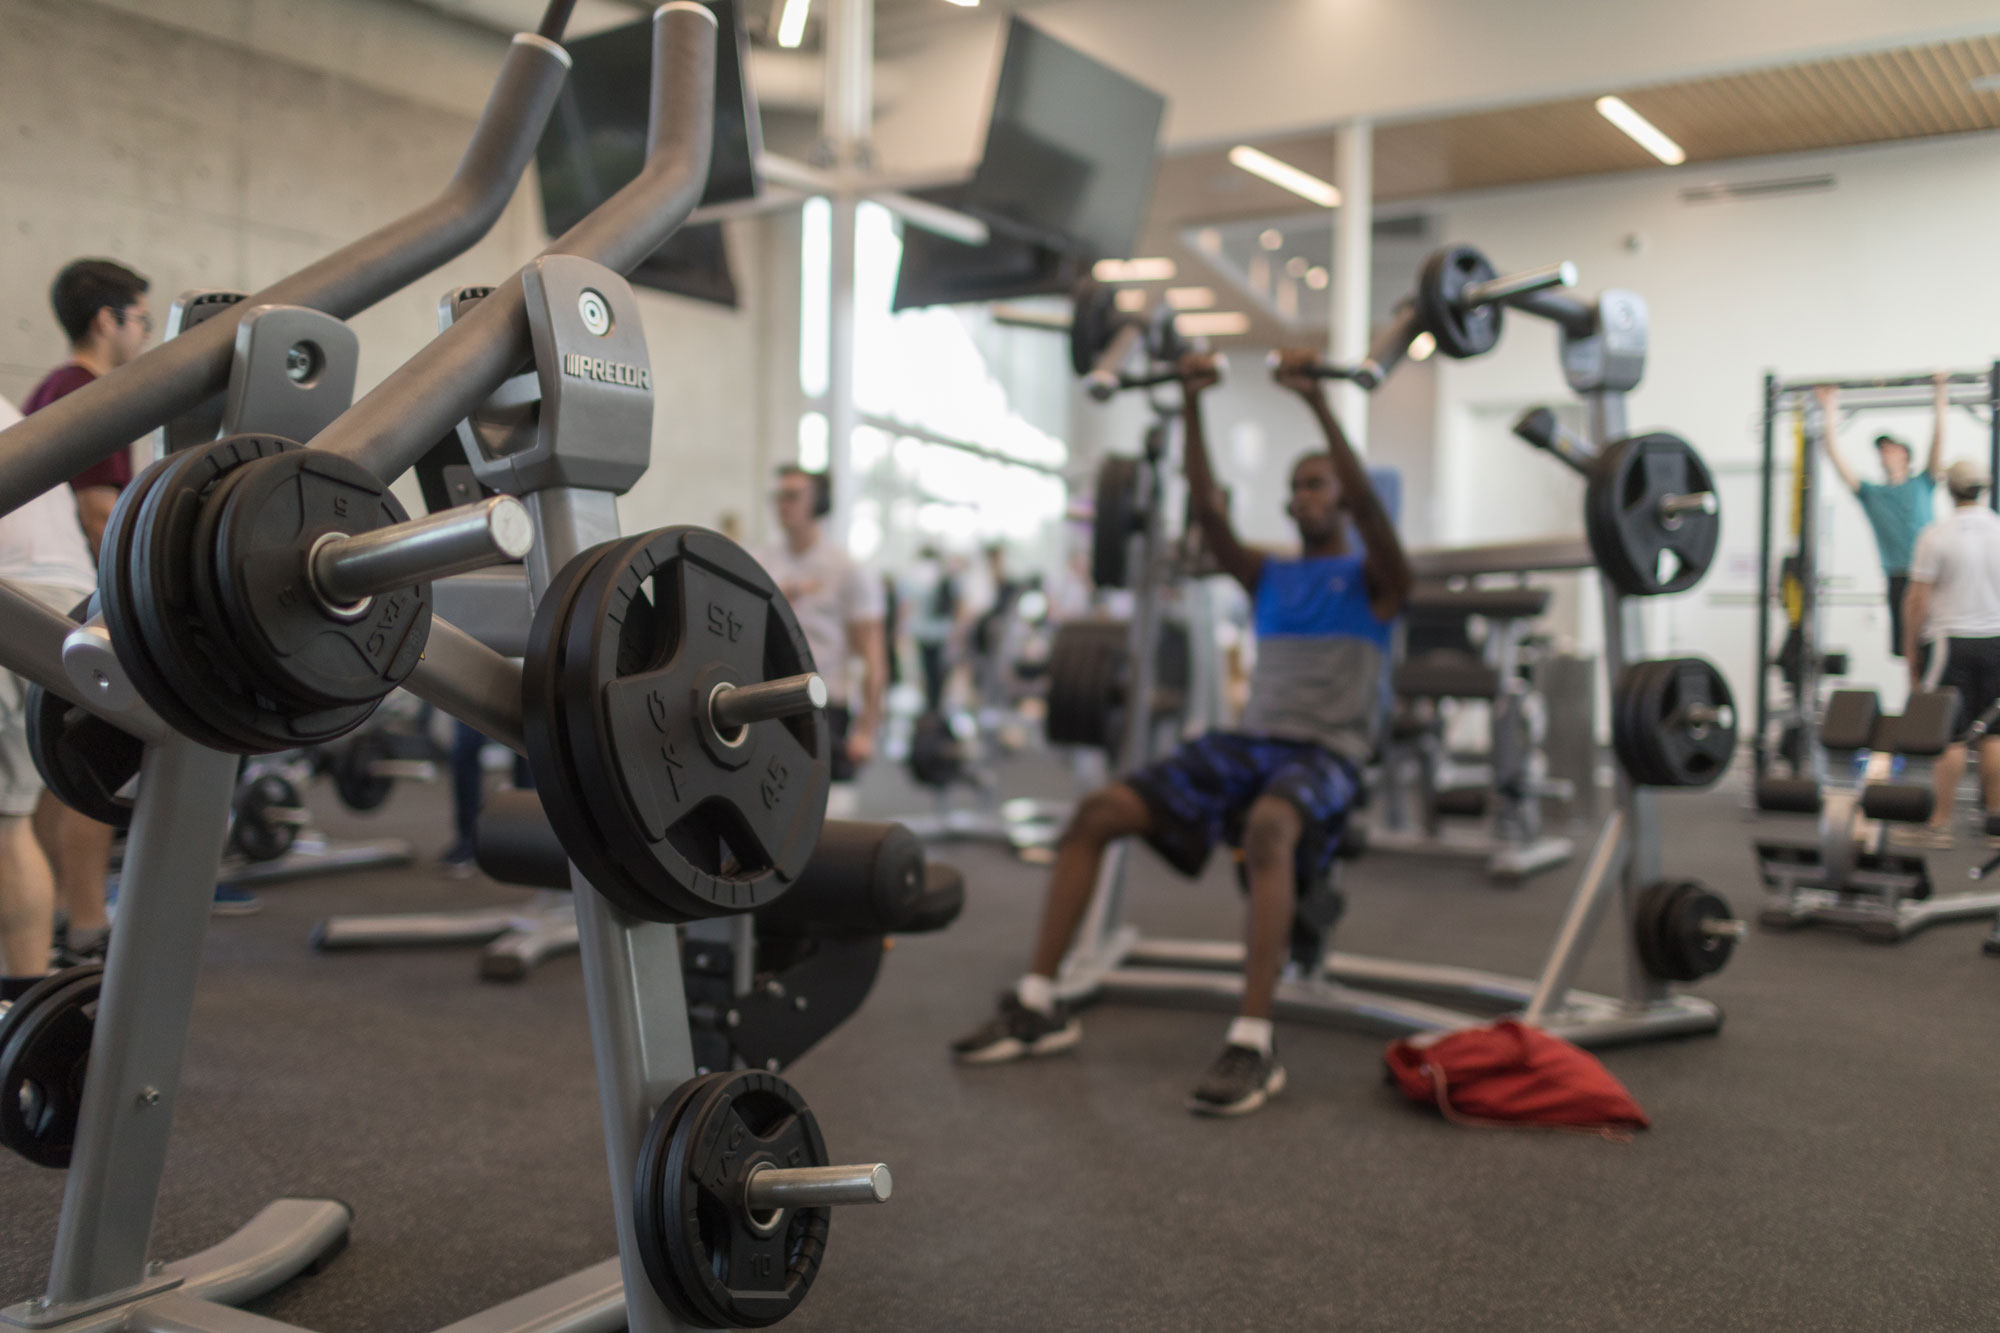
point(1510, 1074)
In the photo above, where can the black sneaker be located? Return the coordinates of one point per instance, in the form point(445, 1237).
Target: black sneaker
point(1242, 1079)
point(1017, 1032)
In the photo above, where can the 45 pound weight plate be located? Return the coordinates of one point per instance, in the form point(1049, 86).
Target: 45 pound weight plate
point(663, 814)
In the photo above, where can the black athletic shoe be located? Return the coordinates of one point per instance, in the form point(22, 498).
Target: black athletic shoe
point(1242, 1079)
point(1017, 1032)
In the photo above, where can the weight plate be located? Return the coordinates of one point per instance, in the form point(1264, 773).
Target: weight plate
point(730, 1269)
point(1674, 723)
point(1698, 951)
point(936, 758)
point(1440, 284)
point(264, 522)
point(83, 759)
point(44, 1055)
point(354, 778)
point(264, 806)
point(654, 1204)
point(1116, 520)
point(1643, 551)
point(699, 825)
point(1092, 323)
point(1647, 929)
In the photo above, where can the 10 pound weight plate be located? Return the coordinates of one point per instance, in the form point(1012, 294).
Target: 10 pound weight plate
point(44, 1054)
point(664, 814)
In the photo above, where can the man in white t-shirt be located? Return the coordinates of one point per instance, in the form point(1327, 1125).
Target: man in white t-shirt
point(840, 607)
point(43, 553)
point(1951, 634)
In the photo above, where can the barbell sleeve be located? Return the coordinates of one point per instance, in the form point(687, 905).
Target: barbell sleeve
point(1672, 507)
point(1390, 348)
point(1511, 285)
point(1319, 370)
point(732, 707)
point(1103, 379)
point(770, 1188)
point(494, 531)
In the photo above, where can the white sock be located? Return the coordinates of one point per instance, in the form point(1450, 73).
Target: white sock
point(1252, 1032)
point(1037, 993)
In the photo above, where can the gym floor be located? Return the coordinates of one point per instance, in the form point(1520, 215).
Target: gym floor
point(1829, 1161)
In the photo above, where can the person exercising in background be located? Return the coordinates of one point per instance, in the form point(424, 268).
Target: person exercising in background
point(1899, 507)
point(1281, 784)
point(839, 607)
point(1953, 634)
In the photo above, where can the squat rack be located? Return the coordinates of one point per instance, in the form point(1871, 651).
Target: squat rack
point(1969, 389)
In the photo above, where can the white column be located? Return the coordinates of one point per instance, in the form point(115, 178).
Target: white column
point(846, 122)
point(1353, 261)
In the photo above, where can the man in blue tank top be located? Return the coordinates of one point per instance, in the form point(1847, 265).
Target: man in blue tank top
point(1281, 784)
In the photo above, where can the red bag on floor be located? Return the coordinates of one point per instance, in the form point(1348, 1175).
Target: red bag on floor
point(1511, 1074)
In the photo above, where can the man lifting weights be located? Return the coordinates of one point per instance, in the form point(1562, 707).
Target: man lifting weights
point(1281, 784)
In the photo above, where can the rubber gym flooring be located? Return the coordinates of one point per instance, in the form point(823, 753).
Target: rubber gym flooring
point(1829, 1161)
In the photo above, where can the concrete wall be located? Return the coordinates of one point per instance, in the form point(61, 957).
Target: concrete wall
point(226, 144)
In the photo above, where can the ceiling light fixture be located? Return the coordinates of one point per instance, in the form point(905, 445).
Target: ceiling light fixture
point(1317, 278)
point(1210, 240)
point(1133, 270)
point(792, 22)
point(1213, 324)
point(1642, 131)
point(1422, 346)
point(964, 4)
point(1130, 300)
point(1284, 175)
point(1190, 298)
point(1296, 266)
point(1271, 239)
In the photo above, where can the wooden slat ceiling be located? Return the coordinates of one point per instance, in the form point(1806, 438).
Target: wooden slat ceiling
point(1908, 93)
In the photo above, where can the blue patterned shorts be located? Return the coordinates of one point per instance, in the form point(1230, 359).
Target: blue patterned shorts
point(1200, 795)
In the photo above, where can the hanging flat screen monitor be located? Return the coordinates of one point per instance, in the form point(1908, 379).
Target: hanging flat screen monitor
point(937, 271)
point(1069, 150)
point(595, 144)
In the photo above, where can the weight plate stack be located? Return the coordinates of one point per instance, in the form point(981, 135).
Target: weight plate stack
point(44, 1055)
point(1086, 660)
point(354, 778)
point(1116, 520)
point(86, 761)
point(712, 1262)
point(1644, 551)
point(1675, 933)
point(1673, 722)
point(1440, 285)
point(265, 817)
point(663, 815)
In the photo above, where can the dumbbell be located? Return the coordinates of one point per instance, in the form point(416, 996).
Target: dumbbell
point(1458, 301)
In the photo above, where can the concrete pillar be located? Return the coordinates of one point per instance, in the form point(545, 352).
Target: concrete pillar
point(1353, 261)
point(846, 113)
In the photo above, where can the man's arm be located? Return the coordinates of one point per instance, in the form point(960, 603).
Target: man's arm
point(93, 510)
point(1916, 608)
point(1829, 415)
point(1941, 383)
point(1386, 566)
point(1205, 498)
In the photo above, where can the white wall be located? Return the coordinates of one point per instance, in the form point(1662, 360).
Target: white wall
point(200, 152)
point(1889, 272)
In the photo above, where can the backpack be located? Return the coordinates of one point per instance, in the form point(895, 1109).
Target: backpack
point(1508, 1073)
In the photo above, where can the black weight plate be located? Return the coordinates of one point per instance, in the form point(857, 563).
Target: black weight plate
point(1444, 277)
point(547, 743)
point(83, 759)
point(1115, 521)
point(735, 1277)
point(44, 1055)
point(256, 832)
point(354, 779)
point(1629, 720)
point(1650, 708)
point(1072, 656)
point(654, 1200)
point(1092, 323)
point(1649, 929)
point(1696, 952)
point(656, 624)
point(118, 600)
point(271, 513)
point(1694, 755)
point(1632, 541)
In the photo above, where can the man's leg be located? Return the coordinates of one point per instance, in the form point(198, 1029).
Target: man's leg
point(1945, 775)
point(80, 850)
point(1271, 834)
point(27, 899)
point(1101, 818)
point(1989, 773)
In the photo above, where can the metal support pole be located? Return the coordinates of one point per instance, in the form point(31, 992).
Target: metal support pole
point(1759, 742)
point(846, 122)
point(1353, 265)
point(1993, 434)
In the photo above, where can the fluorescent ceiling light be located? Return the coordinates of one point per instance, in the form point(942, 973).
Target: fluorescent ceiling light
point(1646, 134)
point(1130, 299)
point(1190, 298)
point(792, 22)
point(1422, 346)
point(964, 4)
point(1213, 323)
point(1133, 270)
point(1285, 175)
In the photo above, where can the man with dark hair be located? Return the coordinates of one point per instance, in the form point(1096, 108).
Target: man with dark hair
point(1953, 639)
point(1282, 783)
point(101, 306)
point(839, 606)
point(1898, 507)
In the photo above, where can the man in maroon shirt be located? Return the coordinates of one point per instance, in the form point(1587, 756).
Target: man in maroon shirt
point(101, 306)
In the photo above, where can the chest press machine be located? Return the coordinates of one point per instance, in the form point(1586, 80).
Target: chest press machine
point(667, 707)
point(1651, 528)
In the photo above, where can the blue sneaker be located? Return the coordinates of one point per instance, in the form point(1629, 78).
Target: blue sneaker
point(232, 901)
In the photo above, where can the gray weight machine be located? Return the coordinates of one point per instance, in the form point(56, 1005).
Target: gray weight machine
point(102, 1276)
point(1603, 356)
